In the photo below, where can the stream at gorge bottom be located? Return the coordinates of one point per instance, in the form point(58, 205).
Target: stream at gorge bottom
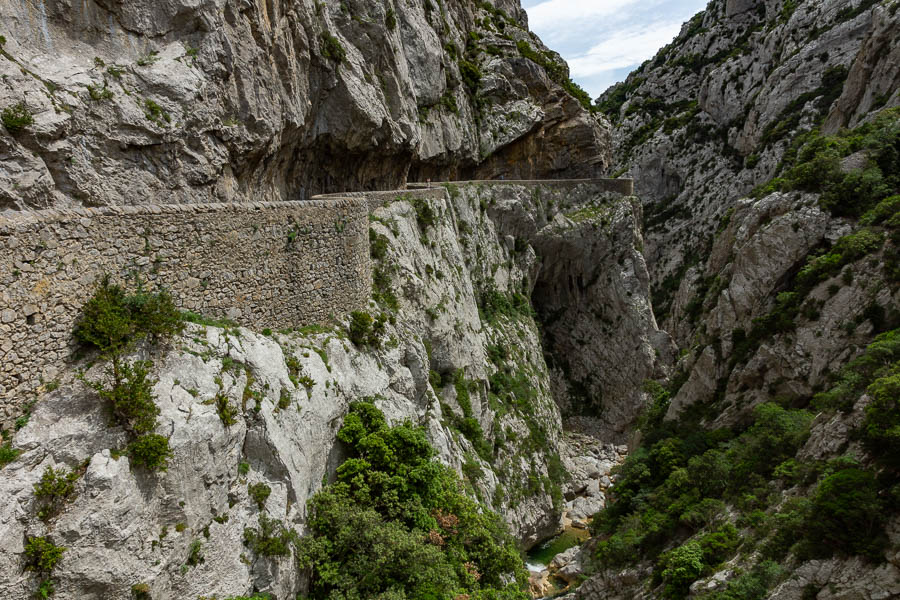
point(538, 559)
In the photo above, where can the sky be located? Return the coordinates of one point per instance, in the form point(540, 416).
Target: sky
point(604, 40)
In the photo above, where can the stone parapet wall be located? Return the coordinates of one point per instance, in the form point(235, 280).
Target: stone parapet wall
point(378, 199)
point(617, 186)
point(273, 265)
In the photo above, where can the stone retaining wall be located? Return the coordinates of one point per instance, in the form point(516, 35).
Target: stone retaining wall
point(617, 186)
point(379, 199)
point(273, 265)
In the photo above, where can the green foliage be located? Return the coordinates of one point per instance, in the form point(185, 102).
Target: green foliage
point(378, 245)
point(831, 87)
point(390, 19)
point(875, 370)
point(46, 588)
point(259, 492)
point(140, 591)
point(847, 515)
point(8, 454)
point(41, 554)
point(17, 117)
point(494, 304)
point(131, 397)
point(396, 524)
point(847, 250)
point(113, 320)
point(155, 113)
point(814, 164)
point(98, 93)
point(150, 451)
point(366, 331)
point(617, 96)
point(881, 428)
point(195, 554)
point(682, 566)
point(332, 49)
point(227, 412)
point(425, 216)
point(471, 75)
point(271, 539)
point(53, 490)
point(750, 586)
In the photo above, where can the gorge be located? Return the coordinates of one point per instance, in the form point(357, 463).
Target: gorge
point(391, 300)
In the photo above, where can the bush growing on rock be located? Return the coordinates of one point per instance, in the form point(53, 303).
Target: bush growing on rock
point(53, 490)
point(41, 555)
point(150, 451)
point(846, 514)
point(16, 117)
point(396, 524)
point(366, 331)
point(113, 320)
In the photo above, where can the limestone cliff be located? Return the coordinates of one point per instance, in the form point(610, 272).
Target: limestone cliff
point(234, 100)
point(460, 353)
point(725, 132)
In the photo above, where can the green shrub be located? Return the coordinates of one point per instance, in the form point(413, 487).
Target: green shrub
point(98, 93)
point(16, 117)
point(471, 75)
point(8, 454)
point(130, 397)
point(425, 216)
point(775, 436)
point(271, 539)
point(332, 49)
point(156, 113)
point(112, 320)
point(150, 451)
point(53, 490)
point(750, 586)
point(883, 211)
point(41, 554)
point(259, 493)
point(227, 412)
point(366, 331)
point(46, 588)
point(360, 327)
point(390, 19)
point(378, 245)
point(195, 554)
point(847, 515)
point(881, 427)
point(140, 591)
point(494, 304)
point(683, 566)
point(394, 506)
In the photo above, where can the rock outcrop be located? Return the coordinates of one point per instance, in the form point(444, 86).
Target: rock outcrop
point(460, 347)
point(234, 101)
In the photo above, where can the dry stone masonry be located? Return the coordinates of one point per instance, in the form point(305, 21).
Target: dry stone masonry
point(275, 265)
point(263, 264)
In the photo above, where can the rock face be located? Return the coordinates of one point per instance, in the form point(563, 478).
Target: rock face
point(458, 346)
point(232, 101)
point(714, 115)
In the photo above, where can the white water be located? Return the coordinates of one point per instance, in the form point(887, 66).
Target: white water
point(535, 567)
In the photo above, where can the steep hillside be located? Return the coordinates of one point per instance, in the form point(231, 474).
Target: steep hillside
point(764, 145)
point(133, 103)
point(449, 343)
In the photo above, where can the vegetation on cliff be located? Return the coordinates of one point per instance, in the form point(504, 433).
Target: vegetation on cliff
point(691, 497)
point(396, 524)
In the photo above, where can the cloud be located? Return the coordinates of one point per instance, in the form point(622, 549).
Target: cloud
point(624, 49)
point(554, 15)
